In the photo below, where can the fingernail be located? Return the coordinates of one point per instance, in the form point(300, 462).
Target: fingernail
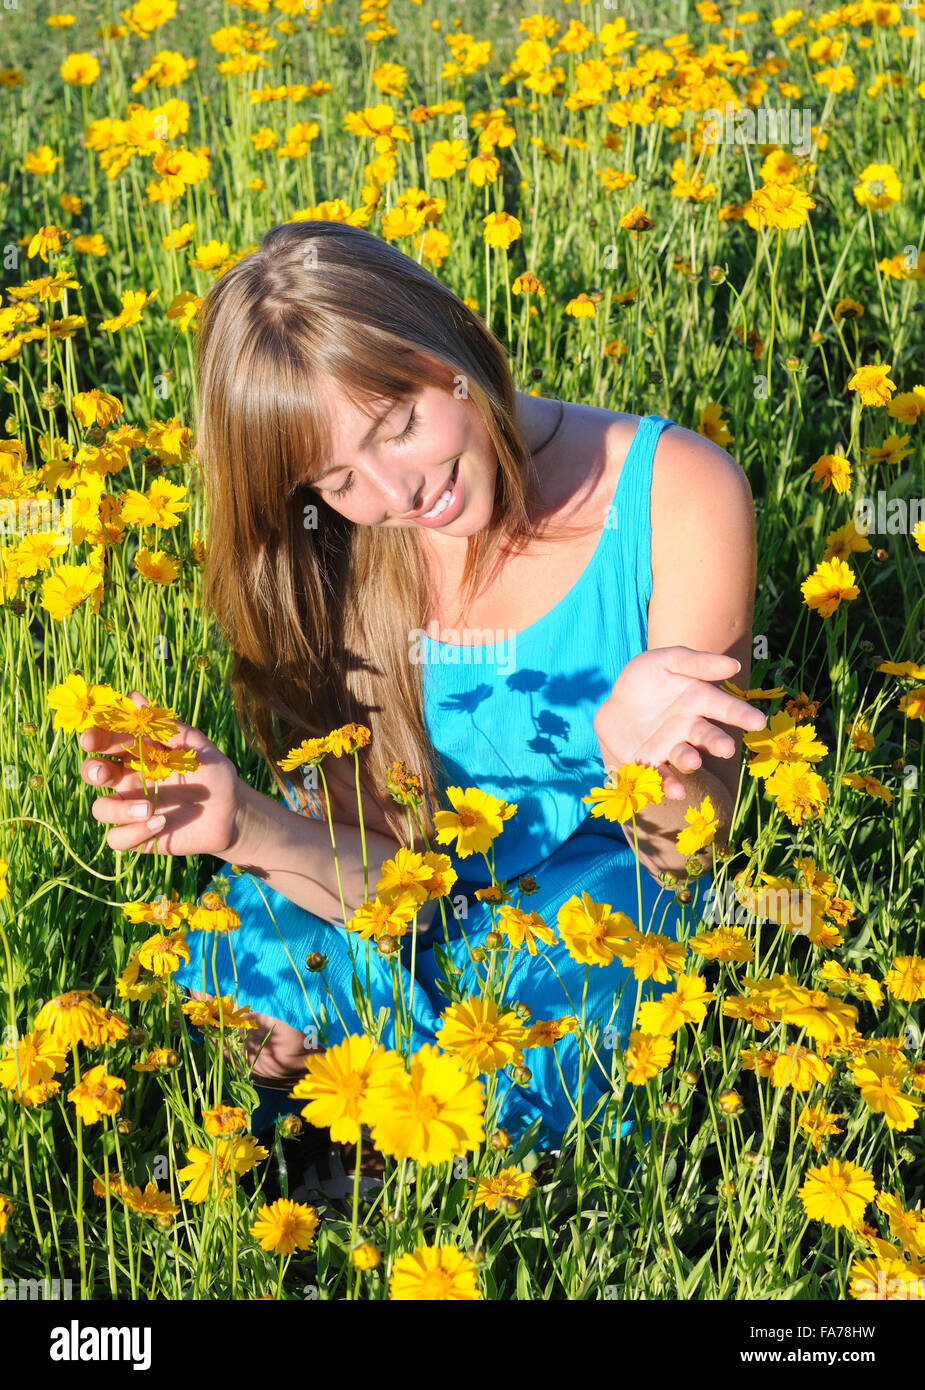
point(139, 810)
point(156, 822)
point(738, 667)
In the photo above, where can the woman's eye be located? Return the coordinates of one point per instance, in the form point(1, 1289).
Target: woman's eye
point(344, 488)
point(409, 429)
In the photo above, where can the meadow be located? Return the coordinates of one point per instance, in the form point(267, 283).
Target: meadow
point(709, 212)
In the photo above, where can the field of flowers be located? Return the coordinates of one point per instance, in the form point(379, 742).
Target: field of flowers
point(718, 219)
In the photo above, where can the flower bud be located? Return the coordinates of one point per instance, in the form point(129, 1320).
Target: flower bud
point(730, 1102)
point(316, 962)
point(716, 274)
point(124, 1126)
point(493, 940)
point(690, 1076)
point(522, 1075)
point(727, 1189)
point(136, 1037)
point(509, 1205)
point(478, 953)
point(522, 1011)
point(387, 945)
point(683, 895)
point(670, 1109)
point(500, 1139)
point(290, 1125)
point(366, 1256)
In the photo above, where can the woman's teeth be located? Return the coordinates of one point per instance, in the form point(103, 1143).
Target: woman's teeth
point(443, 501)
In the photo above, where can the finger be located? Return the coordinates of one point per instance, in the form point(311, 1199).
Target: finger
point(111, 774)
point(706, 737)
point(685, 757)
point(702, 698)
point(704, 666)
point(117, 810)
point(124, 837)
point(674, 790)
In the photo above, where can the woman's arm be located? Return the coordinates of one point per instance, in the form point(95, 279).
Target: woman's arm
point(704, 559)
point(292, 853)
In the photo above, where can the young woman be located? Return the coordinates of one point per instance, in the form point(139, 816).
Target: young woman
point(513, 593)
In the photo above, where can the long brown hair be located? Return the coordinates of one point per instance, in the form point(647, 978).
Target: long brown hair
point(319, 616)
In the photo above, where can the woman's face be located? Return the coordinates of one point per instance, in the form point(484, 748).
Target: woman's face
point(394, 467)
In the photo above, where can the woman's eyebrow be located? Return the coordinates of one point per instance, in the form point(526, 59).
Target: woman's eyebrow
point(373, 430)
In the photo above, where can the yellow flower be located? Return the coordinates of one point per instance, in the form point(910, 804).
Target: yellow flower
point(218, 1013)
point(830, 582)
point(687, 1003)
point(825, 1019)
point(646, 1055)
point(6, 1206)
point(878, 186)
point(241, 1154)
point(431, 1114)
point(832, 470)
point(157, 566)
point(77, 704)
point(365, 1256)
point(36, 1057)
point(636, 220)
point(80, 69)
point(385, 917)
point(133, 301)
point(97, 1095)
point(637, 785)
point(905, 978)
point(434, 1273)
point(818, 1123)
point(652, 956)
point(285, 1226)
point(406, 871)
point(782, 741)
point(837, 1192)
point(309, 753)
point(96, 407)
point(713, 426)
point(161, 506)
point(590, 930)
point(545, 1032)
point(880, 1082)
point(162, 955)
point(798, 1067)
point(873, 384)
point(339, 1083)
point(67, 588)
point(778, 205)
point(476, 820)
point(799, 792)
point(507, 1182)
point(348, 739)
point(723, 943)
point(702, 827)
point(213, 914)
point(501, 229)
point(224, 1119)
point(151, 721)
point(524, 928)
point(908, 1227)
point(156, 764)
point(76, 1017)
point(485, 1039)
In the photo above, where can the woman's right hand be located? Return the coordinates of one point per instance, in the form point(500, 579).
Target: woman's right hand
point(197, 812)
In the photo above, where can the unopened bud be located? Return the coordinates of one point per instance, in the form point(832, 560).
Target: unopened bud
point(387, 945)
point(316, 961)
point(291, 1125)
point(500, 1139)
point(493, 940)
